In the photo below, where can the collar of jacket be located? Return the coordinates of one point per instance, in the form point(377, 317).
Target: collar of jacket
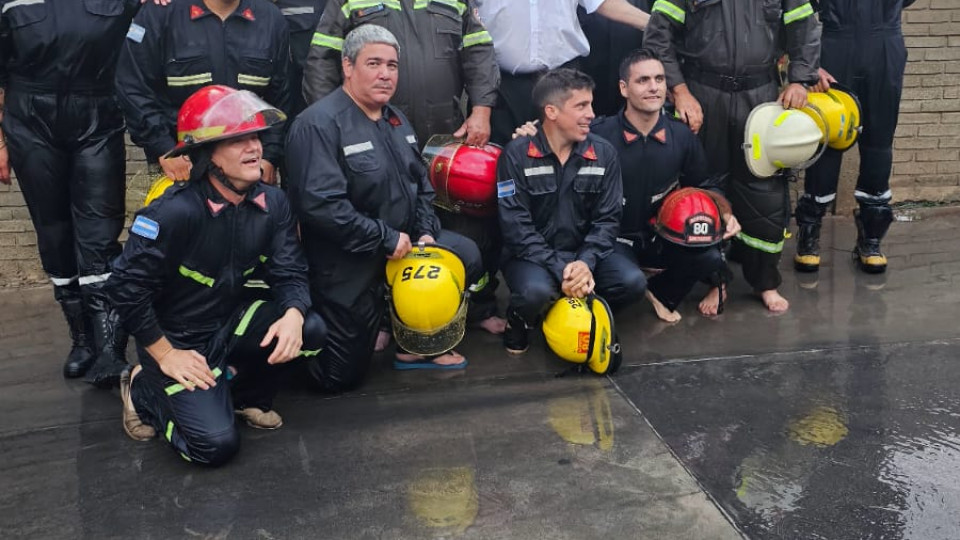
point(199, 10)
point(539, 147)
point(215, 203)
point(631, 135)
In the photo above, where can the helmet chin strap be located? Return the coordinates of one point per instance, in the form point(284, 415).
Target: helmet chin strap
point(218, 173)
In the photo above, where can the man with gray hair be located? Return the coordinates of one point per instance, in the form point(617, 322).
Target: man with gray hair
point(361, 193)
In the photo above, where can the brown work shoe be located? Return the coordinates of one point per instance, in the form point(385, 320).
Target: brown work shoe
point(260, 419)
point(132, 425)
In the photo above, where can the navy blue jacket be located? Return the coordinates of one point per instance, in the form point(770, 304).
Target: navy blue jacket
point(854, 15)
point(182, 271)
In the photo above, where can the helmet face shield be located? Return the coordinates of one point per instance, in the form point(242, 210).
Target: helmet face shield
point(219, 113)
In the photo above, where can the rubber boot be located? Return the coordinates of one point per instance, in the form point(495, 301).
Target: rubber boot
point(873, 219)
point(110, 338)
point(809, 216)
point(82, 354)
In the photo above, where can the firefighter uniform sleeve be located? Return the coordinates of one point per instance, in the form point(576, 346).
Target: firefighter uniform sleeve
point(605, 217)
point(320, 196)
point(286, 265)
point(695, 171)
point(278, 95)
point(520, 234)
point(666, 27)
point(140, 81)
point(140, 271)
point(802, 31)
point(480, 70)
point(427, 221)
point(321, 72)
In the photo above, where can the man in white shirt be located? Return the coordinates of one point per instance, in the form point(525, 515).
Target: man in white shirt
point(535, 36)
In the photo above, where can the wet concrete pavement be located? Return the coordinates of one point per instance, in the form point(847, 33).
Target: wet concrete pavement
point(838, 419)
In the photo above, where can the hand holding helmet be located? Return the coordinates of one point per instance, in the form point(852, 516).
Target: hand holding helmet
point(577, 280)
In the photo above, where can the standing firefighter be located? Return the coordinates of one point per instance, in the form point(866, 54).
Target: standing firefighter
point(875, 75)
point(63, 136)
point(721, 61)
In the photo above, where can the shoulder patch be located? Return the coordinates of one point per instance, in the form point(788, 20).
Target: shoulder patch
point(136, 32)
point(507, 188)
point(145, 227)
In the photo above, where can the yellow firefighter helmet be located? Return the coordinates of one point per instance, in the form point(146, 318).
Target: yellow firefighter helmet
point(580, 330)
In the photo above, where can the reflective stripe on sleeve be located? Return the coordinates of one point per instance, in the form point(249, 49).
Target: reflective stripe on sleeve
point(670, 10)
point(798, 14)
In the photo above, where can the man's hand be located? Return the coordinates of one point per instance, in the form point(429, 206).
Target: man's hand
point(188, 368)
point(731, 227)
point(688, 108)
point(577, 280)
point(403, 247)
point(477, 127)
point(426, 239)
point(527, 130)
point(4, 164)
point(176, 168)
point(794, 96)
point(826, 79)
point(288, 331)
point(268, 172)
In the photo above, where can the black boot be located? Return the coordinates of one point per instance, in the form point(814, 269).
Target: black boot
point(809, 216)
point(81, 355)
point(873, 219)
point(110, 338)
point(516, 338)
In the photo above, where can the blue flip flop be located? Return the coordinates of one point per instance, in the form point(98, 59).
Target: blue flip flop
point(426, 363)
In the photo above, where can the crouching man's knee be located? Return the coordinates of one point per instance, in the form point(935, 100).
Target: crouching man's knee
point(214, 449)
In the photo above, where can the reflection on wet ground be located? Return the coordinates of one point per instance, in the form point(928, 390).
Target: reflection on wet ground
point(849, 443)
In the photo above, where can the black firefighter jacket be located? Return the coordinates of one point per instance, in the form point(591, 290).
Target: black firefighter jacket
point(173, 51)
point(734, 37)
point(549, 211)
point(355, 185)
point(182, 271)
point(852, 15)
point(444, 49)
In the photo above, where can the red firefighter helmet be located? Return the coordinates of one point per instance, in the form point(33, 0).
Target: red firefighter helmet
point(690, 217)
point(216, 113)
point(464, 177)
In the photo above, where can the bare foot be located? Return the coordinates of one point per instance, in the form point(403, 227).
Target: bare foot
point(774, 302)
point(662, 311)
point(450, 358)
point(495, 325)
point(710, 304)
point(383, 339)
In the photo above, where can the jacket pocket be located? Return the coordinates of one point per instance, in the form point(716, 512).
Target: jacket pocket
point(448, 28)
point(20, 15)
point(105, 8)
point(362, 162)
point(255, 71)
point(771, 12)
point(543, 184)
point(187, 72)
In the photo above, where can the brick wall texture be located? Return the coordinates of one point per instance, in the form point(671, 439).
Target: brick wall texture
point(926, 152)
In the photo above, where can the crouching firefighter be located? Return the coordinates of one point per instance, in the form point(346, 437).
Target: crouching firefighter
point(206, 353)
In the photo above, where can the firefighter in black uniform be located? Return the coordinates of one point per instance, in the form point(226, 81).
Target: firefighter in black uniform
point(361, 193)
point(722, 56)
point(560, 199)
point(63, 133)
point(178, 286)
point(875, 75)
point(171, 52)
point(302, 18)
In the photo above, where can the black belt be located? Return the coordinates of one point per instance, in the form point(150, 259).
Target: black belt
point(78, 87)
point(730, 83)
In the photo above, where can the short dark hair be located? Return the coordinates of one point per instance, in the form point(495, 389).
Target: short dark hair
point(556, 85)
point(636, 55)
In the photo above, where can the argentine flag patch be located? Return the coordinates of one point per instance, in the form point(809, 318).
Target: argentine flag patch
point(506, 189)
point(145, 227)
point(136, 33)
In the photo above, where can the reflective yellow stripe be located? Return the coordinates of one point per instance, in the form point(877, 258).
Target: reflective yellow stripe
point(202, 133)
point(328, 41)
point(263, 258)
point(459, 6)
point(196, 276)
point(184, 456)
point(177, 388)
point(306, 354)
point(477, 38)
point(169, 432)
point(755, 146)
point(481, 283)
point(190, 80)
point(245, 320)
point(249, 271)
point(798, 14)
point(780, 119)
point(355, 5)
point(670, 10)
point(761, 245)
point(252, 80)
